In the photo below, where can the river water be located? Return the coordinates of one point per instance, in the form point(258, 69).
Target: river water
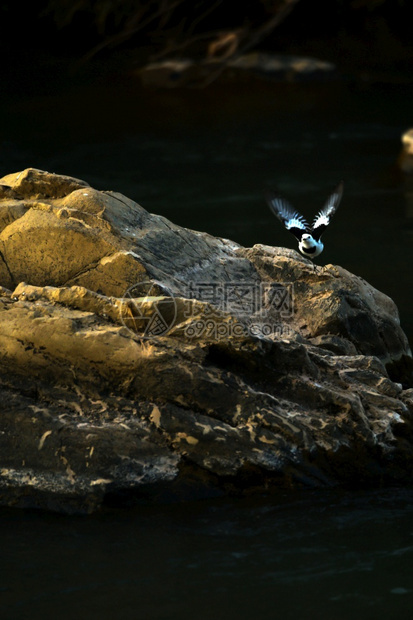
point(312, 555)
point(203, 159)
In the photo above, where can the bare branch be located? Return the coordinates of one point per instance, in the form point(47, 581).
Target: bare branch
point(127, 34)
point(255, 38)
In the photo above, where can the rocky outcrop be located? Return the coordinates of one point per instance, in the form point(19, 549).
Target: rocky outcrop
point(185, 72)
point(405, 158)
point(141, 359)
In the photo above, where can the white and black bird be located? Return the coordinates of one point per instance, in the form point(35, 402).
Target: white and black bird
point(309, 237)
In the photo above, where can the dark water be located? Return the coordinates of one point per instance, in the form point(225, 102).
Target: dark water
point(203, 159)
point(327, 556)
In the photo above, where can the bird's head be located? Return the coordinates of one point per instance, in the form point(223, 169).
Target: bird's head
point(307, 241)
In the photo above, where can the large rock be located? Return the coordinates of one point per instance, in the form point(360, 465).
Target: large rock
point(139, 358)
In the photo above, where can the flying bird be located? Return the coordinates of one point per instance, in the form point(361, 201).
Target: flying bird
point(309, 237)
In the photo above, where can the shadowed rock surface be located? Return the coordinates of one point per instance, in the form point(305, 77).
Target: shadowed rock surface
point(143, 360)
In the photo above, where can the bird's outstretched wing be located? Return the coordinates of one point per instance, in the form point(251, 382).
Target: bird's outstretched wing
point(323, 218)
point(292, 220)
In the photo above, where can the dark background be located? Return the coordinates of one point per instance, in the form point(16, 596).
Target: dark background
point(202, 157)
point(46, 39)
point(72, 102)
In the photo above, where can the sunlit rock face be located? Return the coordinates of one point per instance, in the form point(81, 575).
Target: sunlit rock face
point(141, 359)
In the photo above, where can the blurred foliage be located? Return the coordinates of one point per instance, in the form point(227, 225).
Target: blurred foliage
point(371, 5)
point(173, 25)
point(128, 14)
point(150, 30)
